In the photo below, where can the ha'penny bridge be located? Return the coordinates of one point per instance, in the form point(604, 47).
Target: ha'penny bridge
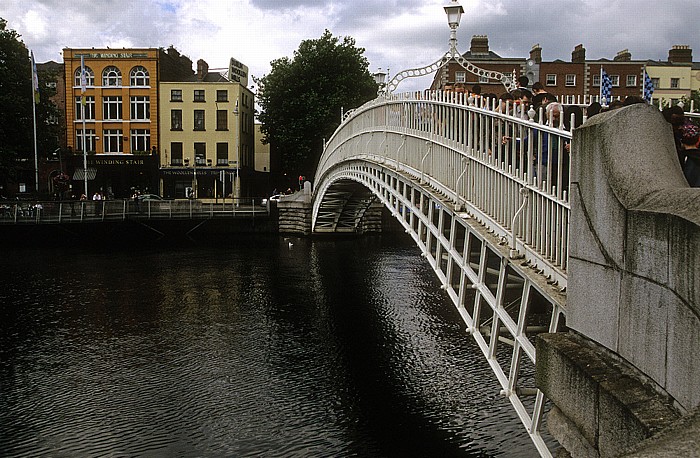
point(572, 259)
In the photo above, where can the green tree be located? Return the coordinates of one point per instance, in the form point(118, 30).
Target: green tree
point(301, 98)
point(16, 120)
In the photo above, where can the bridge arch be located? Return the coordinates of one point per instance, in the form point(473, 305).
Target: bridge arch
point(435, 165)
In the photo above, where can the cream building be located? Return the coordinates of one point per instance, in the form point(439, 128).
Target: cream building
point(206, 137)
point(262, 152)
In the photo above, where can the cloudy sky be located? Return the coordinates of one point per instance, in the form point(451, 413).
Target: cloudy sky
point(396, 34)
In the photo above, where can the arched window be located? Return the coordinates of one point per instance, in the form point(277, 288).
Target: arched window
point(89, 76)
point(111, 76)
point(139, 77)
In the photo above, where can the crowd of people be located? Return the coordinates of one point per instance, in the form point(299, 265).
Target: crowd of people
point(526, 100)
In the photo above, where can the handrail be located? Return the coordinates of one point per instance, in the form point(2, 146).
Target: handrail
point(74, 211)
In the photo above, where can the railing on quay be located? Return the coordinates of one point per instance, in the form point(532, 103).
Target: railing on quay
point(508, 167)
point(74, 211)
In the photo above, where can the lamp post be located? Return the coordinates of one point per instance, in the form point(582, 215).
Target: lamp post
point(380, 78)
point(237, 183)
point(194, 175)
point(454, 13)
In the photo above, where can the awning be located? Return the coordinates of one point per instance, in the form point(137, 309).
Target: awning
point(79, 174)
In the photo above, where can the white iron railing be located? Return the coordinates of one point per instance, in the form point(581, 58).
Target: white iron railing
point(484, 156)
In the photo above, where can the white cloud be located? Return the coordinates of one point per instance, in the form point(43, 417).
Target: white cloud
point(398, 34)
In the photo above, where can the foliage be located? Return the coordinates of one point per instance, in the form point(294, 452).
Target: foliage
point(16, 119)
point(302, 98)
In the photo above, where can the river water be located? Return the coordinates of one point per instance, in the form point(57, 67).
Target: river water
point(327, 347)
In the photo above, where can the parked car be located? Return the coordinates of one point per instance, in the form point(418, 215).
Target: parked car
point(143, 197)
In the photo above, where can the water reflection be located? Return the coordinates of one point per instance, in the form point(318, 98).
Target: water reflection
point(330, 348)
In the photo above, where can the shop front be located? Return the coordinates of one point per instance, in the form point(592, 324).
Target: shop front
point(199, 182)
point(116, 176)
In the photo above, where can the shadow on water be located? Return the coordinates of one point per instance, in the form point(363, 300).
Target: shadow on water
point(256, 345)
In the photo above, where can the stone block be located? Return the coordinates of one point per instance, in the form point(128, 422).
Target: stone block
point(647, 245)
point(593, 301)
point(684, 276)
point(643, 326)
point(683, 366)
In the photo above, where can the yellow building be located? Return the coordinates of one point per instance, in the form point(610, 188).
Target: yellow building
point(116, 106)
point(206, 136)
point(262, 152)
point(674, 78)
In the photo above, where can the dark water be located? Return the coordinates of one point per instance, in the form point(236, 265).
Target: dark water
point(327, 348)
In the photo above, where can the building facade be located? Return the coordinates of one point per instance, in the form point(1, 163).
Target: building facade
point(207, 137)
point(578, 80)
point(112, 116)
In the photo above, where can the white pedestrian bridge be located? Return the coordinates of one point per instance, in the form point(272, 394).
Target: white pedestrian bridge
point(483, 189)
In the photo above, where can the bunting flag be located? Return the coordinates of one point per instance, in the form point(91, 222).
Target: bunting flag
point(35, 80)
point(648, 87)
point(605, 87)
point(83, 80)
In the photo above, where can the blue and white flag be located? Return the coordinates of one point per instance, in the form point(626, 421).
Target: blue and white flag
point(648, 87)
point(605, 87)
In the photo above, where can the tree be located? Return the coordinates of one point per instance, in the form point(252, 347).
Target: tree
point(16, 120)
point(301, 98)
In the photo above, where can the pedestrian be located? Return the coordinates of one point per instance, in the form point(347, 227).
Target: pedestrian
point(690, 141)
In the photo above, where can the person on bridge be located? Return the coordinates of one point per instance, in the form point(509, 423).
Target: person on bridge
point(690, 141)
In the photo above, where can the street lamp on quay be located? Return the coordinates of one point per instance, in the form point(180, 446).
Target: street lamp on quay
point(194, 175)
point(454, 13)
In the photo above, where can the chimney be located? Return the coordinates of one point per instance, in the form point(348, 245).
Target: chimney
point(480, 45)
point(536, 53)
point(578, 55)
point(623, 56)
point(680, 54)
point(202, 69)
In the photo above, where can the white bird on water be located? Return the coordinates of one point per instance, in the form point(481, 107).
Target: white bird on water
point(290, 245)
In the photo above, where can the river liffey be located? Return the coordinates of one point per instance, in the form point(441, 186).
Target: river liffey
point(321, 348)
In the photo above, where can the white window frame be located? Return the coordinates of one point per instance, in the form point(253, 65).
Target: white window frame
point(112, 108)
point(140, 140)
point(675, 83)
point(90, 139)
point(89, 108)
point(571, 80)
point(631, 80)
point(460, 77)
point(139, 77)
point(596, 80)
point(615, 80)
point(89, 77)
point(551, 79)
point(111, 76)
point(113, 140)
point(176, 95)
point(140, 108)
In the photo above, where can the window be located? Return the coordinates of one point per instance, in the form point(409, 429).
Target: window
point(551, 79)
point(221, 120)
point(631, 80)
point(460, 77)
point(111, 76)
point(596, 80)
point(198, 119)
point(112, 108)
point(113, 140)
point(176, 95)
point(571, 80)
point(615, 80)
point(139, 77)
point(89, 77)
point(89, 139)
point(222, 154)
point(175, 119)
point(176, 153)
point(140, 140)
point(200, 153)
point(89, 108)
point(483, 79)
point(199, 95)
point(140, 108)
point(675, 83)
point(222, 95)
point(655, 82)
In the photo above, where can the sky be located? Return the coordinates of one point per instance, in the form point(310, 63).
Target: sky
point(396, 34)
